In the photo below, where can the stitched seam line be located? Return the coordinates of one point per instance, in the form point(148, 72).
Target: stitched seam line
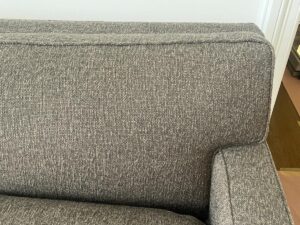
point(228, 190)
point(130, 44)
point(267, 120)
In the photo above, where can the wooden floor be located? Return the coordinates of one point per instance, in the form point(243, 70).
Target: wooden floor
point(284, 133)
point(290, 181)
point(292, 86)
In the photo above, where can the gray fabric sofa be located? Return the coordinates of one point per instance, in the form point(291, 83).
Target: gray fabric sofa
point(136, 123)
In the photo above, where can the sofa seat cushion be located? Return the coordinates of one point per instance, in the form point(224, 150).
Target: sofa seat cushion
point(25, 211)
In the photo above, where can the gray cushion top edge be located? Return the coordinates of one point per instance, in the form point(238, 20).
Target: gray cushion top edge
point(129, 39)
point(89, 27)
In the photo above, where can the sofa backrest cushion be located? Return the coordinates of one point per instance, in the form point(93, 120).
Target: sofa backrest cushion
point(127, 118)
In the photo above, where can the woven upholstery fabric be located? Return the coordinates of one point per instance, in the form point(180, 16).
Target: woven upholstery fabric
point(30, 211)
point(127, 118)
point(34, 26)
point(246, 189)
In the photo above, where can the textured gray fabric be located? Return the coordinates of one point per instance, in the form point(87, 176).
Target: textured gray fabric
point(31, 211)
point(127, 118)
point(34, 26)
point(245, 188)
point(219, 204)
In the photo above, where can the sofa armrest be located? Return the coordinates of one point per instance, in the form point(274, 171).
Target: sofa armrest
point(245, 188)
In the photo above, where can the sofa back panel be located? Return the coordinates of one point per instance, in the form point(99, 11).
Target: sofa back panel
point(127, 119)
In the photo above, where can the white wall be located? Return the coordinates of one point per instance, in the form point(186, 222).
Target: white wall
point(280, 29)
point(136, 10)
